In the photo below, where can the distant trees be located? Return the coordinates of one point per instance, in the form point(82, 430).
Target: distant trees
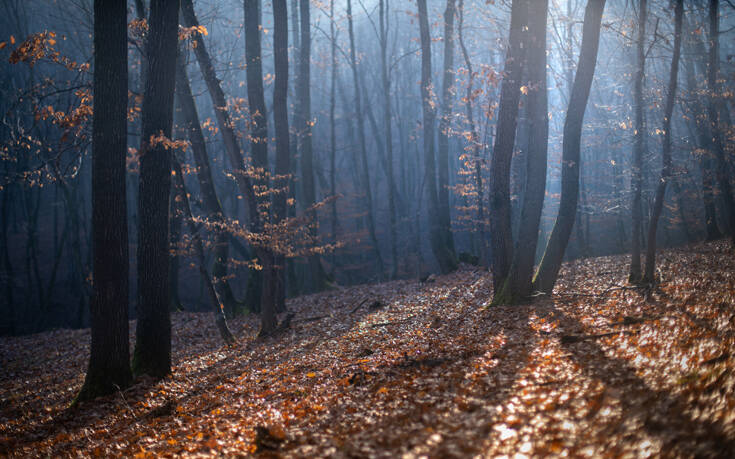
point(109, 361)
point(152, 354)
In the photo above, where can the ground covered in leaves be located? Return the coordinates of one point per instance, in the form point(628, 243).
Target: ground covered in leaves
point(600, 368)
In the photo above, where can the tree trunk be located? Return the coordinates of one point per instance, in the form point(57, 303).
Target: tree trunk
point(385, 79)
point(548, 270)
point(210, 201)
point(333, 130)
point(713, 110)
point(109, 360)
point(517, 287)
point(217, 309)
point(442, 252)
point(274, 282)
point(500, 224)
point(362, 144)
point(474, 139)
point(638, 145)
point(152, 354)
point(448, 77)
point(658, 204)
point(315, 278)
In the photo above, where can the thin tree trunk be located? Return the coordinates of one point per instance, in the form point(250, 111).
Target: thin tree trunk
point(713, 109)
point(658, 204)
point(109, 360)
point(448, 77)
point(638, 145)
point(387, 117)
point(548, 270)
point(332, 130)
point(217, 308)
point(315, 277)
point(443, 254)
point(273, 282)
point(518, 284)
point(152, 354)
point(362, 144)
point(474, 139)
point(500, 220)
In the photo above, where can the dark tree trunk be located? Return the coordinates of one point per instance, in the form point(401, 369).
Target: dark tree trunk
point(442, 252)
point(385, 79)
point(152, 354)
point(332, 129)
point(474, 139)
point(182, 197)
point(362, 144)
point(518, 284)
point(442, 158)
point(713, 110)
point(548, 270)
point(274, 282)
point(109, 360)
point(500, 225)
point(210, 201)
point(315, 278)
point(658, 204)
point(638, 145)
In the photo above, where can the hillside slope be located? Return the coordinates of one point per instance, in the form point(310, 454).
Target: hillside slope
point(406, 369)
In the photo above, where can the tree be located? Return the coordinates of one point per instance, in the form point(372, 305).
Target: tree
point(152, 353)
point(713, 110)
point(638, 144)
point(445, 221)
point(109, 360)
point(548, 270)
point(362, 142)
point(283, 159)
point(443, 254)
point(315, 274)
point(500, 225)
point(517, 286)
point(383, 7)
point(666, 148)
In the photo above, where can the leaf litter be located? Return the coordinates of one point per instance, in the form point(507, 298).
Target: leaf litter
point(401, 369)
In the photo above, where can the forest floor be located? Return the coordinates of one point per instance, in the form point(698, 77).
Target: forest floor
point(600, 368)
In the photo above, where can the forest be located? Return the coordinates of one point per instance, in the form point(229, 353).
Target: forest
point(367, 228)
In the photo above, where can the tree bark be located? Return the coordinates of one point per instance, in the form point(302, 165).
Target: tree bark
point(443, 254)
point(500, 223)
point(658, 204)
point(315, 278)
point(109, 360)
point(640, 131)
point(713, 110)
point(517, 287)
point(548, 270)
point(445, 220)
point(217, 309)
point(152, 353)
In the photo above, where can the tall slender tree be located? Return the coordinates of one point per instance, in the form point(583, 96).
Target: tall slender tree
point(517, 286)
point(442, 158)
point(443, 254)
point(639, 133)
point(548, 270)
point(714, 109)
point(658, 204)
point(152, 354)
point(510, 93)
point(315, 275)
point(109, 360)
point(365, 170)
